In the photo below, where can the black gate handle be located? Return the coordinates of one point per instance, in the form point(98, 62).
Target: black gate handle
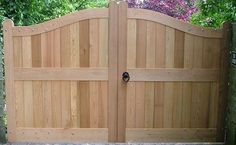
point(125, 77)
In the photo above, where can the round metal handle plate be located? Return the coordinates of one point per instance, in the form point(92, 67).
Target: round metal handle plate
point(125, 77)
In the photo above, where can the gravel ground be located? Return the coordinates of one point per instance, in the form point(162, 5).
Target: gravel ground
point(117, 144)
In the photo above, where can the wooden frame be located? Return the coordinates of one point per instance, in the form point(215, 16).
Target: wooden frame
point(61, 74)
point(112, 73)
point(60, 22)
point(186, 75)
point(9, 77)
point(61, 135)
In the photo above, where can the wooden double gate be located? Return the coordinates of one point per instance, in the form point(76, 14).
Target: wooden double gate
point(64, 78)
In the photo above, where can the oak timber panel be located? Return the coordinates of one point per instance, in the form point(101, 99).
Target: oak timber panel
point(44, 103)
point(183, 103)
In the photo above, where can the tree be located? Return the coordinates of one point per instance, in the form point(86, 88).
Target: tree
point(213, 13)
point(28, 12)
point(180, 9)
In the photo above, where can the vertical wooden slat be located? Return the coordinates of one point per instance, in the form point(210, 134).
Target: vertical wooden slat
point(169, 86)
point(103, 62)
point(65, 47)
point(56, 104)
point(94, 97)
point(37, 85)
point(84, 43)
point(179, 49)
point(74, 45)
point(17, 46)
point(94, 62)
point(46, 54)
point(28, 90)
point(149, 86)
point(122, 66)
point(46, 48)
point(57, 48)
point(112, 72)
point(207, 63)
point(48, 51)
point(19, 90)
point(102, 105)
point(103, 42)
point(84, 104)
point(47, 103)
point(159, 86)
point(84, 88)
point(36, 51)
point(9, 76)
point(131, 63)
point(214, 95)
point(200, 93)
point(187, 86)
point(178, 87)
point(66, 104)
point(56, 85)
point(65, 62)
point(140, 63)
point(213, 105)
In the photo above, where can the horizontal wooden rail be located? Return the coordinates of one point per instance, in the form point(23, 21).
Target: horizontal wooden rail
point(61, 135)
point(60, 22)
point(96, 74)
point(172, 75)
point(201, 75)
point(171, 135)
point(174, 23)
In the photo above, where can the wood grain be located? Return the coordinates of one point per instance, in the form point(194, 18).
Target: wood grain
point(140, 63)
point(159, 86)
point(66, 85)
point(19, 88)
point(131, 63)
point(187, 86)
point(83, 74)
point(174, 75)
point(171, 135)
point(28, 90)
point(112, 72)
point(169, 86)
point(59, 135)
point(94, 62)
point(150, 86)
point(122, 67)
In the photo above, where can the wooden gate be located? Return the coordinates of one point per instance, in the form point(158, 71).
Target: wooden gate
point(64, 78)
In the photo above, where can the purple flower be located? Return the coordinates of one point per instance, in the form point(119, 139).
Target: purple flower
point(180, 9)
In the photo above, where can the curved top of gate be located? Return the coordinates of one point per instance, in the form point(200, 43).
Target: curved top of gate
point(132, 13)
point(149, 15)
point(60, 22)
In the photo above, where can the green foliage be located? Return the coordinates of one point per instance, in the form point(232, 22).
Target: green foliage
point(2, 115)
point(213, 13)
point(97, 3)
point(28, 12)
